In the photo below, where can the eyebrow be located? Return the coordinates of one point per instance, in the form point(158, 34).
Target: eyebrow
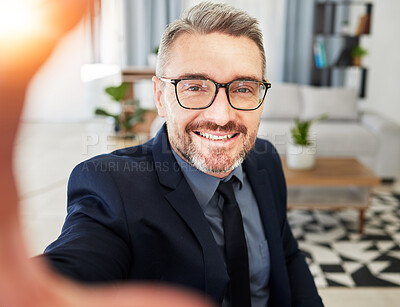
point(206, 76)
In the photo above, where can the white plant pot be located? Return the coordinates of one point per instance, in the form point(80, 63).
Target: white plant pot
point(300, 157)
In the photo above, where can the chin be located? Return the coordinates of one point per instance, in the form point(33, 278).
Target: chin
point(216, 164)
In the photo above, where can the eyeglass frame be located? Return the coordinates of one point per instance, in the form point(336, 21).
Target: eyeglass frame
point(217, 87)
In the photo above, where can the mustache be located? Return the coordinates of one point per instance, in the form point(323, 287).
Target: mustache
point(230, 126)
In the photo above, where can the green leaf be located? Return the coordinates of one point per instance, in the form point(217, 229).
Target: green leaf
point(155, 50)
point(358, 51)
point(118, 93)
point(300, 130)
point(319, 118)
point(103, 112)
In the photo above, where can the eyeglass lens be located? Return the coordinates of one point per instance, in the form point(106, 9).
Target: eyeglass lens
point(200, 93)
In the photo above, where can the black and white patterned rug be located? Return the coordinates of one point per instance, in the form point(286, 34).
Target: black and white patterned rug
point(339, 256)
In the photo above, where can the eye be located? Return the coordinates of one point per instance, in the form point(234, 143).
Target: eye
point(193, 88)
point(243, 90)
point(243, 87)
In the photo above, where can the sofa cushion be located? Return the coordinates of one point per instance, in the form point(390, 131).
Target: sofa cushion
point(282, 102)
point(338, 103)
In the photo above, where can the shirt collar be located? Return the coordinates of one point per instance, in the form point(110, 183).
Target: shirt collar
point(202, 184)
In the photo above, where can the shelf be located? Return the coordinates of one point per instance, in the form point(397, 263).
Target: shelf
point(329, 17)
point(331, 46)
point(346, 3)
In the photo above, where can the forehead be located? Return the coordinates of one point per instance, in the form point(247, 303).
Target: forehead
point(218, 56)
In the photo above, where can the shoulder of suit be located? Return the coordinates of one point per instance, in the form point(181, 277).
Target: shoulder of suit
point(264, 147)
point(135, 154)
point(264, 154)
point(141, 150)
point(264, 144)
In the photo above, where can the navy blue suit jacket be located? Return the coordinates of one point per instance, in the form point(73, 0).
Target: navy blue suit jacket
point(132, 216)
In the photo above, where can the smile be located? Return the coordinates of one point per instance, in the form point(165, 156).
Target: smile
point(213, 137)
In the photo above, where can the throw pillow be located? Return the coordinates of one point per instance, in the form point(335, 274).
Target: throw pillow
point(338, 103)
point(282, 102)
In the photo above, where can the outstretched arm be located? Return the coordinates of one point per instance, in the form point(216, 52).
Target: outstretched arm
point(25, 43)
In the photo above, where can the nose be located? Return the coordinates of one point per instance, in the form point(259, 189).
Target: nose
point(220, 112)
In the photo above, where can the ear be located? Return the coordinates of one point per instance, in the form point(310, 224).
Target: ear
point(158, 96)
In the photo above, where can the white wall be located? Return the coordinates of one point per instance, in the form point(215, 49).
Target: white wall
point(383, 60)
point(57, 92)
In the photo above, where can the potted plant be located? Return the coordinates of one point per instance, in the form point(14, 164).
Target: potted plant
point(300, 152)
point(356, 54)
point(130, 113)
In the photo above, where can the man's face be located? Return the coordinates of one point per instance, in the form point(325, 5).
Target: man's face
point(217, 139)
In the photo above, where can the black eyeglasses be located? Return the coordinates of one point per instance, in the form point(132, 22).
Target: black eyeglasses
point(198, 94)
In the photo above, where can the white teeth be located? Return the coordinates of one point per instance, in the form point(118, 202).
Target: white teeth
point(216, 137)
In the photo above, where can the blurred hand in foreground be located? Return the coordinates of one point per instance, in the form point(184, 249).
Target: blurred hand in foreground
point(29, 30)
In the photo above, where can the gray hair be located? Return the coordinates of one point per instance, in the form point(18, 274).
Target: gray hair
point(206, 18)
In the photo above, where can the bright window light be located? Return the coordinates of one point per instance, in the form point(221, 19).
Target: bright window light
point(90, 72)
point(18, 17)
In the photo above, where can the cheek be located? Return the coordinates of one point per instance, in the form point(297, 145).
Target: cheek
point(166, 99)
point(252, 120)
point(178, 116)
point(169, 107)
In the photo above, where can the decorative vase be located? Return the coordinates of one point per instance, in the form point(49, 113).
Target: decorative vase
point(300, 157)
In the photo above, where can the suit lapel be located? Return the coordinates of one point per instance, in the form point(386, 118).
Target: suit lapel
point(185, 204)
point(260, 180)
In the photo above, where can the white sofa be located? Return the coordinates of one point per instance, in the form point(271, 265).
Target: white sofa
point(346, 133)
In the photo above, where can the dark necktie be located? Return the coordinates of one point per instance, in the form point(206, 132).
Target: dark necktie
point(235, 247)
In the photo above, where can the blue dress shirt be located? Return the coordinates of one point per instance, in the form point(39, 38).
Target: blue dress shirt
point(204, 187)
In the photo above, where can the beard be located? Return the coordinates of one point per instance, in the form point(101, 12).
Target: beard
point(209, 158)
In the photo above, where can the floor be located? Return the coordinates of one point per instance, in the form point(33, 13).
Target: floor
point(339, 256)
point(45, 154)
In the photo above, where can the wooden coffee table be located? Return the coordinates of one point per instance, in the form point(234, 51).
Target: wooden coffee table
point(333, 184)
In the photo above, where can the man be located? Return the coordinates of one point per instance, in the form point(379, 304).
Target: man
point(168, 210)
